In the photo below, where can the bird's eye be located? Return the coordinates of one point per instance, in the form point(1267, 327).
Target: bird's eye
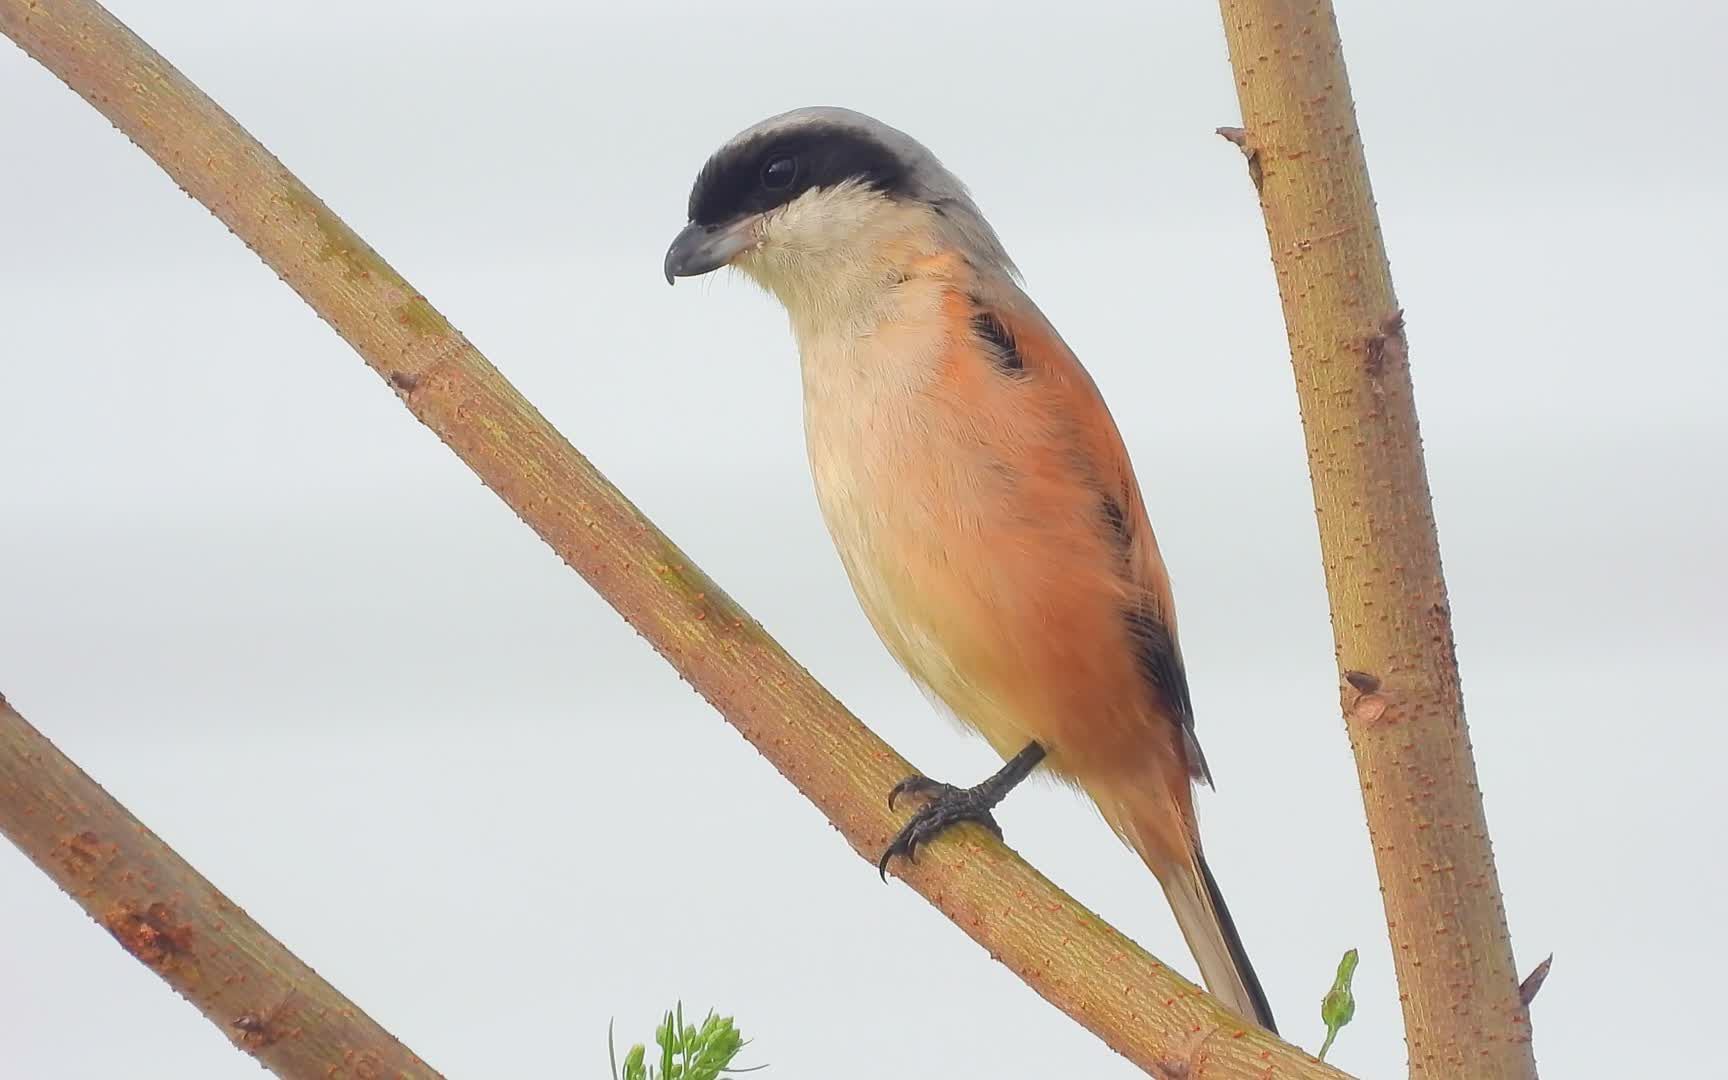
point(778, 173)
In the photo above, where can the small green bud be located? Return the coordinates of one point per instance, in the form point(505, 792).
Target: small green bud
point(635, 1067)
point(1338, 1007)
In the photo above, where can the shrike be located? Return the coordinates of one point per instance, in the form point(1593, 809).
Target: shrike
point(976, 489)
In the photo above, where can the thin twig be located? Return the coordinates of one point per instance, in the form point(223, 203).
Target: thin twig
point(1532, 984)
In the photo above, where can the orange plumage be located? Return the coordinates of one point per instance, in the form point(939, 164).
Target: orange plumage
point(976, 488)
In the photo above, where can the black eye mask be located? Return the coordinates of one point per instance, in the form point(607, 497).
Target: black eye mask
point(773, 169)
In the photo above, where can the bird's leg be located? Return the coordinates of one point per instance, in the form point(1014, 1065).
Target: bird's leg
point(948, 805)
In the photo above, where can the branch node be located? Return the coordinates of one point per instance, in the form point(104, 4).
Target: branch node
point(1239, 136)
point(1369, 705)
point(1182, 1065)
point(1532, 984)
point(156, 936)
point(1362, 681)
point(1387, 345)
point(256, 1032)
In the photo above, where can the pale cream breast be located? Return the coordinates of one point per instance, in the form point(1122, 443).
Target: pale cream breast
point(864, 282)
point(879, 454)
point(865, 438)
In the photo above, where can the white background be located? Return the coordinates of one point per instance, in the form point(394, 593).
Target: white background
point(247, 592)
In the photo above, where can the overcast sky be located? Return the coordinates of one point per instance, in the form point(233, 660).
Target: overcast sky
point(247, 592)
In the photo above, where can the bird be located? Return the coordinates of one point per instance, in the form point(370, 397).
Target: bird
point(977, 490)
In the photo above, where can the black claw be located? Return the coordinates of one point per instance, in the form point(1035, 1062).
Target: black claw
point(915, 785)
point(948, 805)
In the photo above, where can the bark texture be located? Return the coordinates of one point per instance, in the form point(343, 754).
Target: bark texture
point(1390, 619)
point(180, 926)
point(1083, 966)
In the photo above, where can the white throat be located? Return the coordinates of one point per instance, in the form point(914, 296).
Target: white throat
point(833, 258)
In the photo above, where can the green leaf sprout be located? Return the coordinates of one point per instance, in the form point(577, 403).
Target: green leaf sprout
point(687, 1052)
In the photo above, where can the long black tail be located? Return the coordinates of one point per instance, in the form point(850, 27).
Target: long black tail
point(1197, 904)
point(1233, 942)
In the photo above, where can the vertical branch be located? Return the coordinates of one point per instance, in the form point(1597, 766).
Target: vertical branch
point(178, 925)
point(1390, 618)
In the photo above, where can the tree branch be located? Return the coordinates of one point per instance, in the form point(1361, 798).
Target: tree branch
point(1083, 966)
point(1390, 618)
point(177, 924)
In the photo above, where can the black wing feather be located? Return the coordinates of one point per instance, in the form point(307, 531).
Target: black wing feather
point(1161, 666)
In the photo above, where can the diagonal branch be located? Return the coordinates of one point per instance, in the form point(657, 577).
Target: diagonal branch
point(1390, 617)
point(177, 924)
point(1081, 965)
point(1084, 967)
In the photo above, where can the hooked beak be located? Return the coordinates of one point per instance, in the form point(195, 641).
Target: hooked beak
point(699, 249)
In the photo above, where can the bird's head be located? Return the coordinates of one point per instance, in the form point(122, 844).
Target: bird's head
point(818, 203)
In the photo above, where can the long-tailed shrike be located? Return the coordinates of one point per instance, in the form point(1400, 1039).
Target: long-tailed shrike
point(976, 488)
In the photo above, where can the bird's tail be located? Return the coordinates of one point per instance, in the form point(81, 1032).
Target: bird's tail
point(1212, 937)
point(1200, 911)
